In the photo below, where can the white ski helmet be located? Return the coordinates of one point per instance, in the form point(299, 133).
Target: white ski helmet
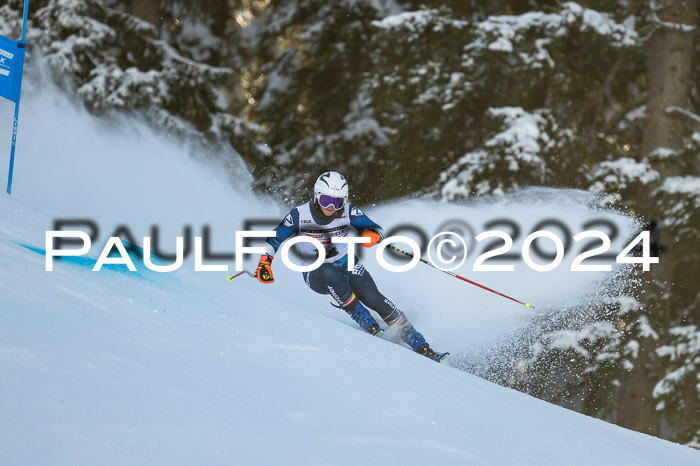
point(331, 188)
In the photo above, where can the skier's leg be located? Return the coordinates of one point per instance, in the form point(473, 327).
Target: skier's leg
point(328, 279)
point(366, 289)
point(363, 285)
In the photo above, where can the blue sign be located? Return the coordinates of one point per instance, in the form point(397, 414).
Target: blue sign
point(11, 65)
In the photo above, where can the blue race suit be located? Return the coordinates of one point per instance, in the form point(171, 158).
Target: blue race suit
point(333, 277)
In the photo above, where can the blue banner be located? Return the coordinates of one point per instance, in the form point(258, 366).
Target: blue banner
point(11, 65)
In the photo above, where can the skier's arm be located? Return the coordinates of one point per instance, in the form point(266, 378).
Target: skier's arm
point(285, 230)
point(366, 226)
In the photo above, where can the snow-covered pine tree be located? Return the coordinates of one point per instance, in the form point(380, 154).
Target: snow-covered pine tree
point(576, 63)
point(306, 60)
point(116, 62)
point(613, 349)
point(581, 360)
point(508, 159)
point(678, 392)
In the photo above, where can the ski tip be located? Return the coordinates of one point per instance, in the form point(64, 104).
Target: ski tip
point(528, 305)
point(378, 332)
point(443, 357)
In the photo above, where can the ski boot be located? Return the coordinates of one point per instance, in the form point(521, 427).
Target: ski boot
point(416, 341)
point(428, 352)
point(365, 320)
point(410, 335)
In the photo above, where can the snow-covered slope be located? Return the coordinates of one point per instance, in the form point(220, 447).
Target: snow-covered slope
point(187, 368)
point(116, 367)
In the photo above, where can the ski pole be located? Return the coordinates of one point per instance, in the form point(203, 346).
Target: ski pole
point(528, 305)
point(230, 278)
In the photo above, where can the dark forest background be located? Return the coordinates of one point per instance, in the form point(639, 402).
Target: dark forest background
point(448, 100)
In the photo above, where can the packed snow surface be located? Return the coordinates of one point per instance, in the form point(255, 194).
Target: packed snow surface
point(118, 367)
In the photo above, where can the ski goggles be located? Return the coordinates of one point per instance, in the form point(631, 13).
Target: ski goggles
point(326, 201)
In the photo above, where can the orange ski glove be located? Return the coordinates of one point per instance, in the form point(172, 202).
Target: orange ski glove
point(372, 235)
point(264, 271)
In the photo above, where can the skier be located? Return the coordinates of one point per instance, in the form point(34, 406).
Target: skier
point(327, 215)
